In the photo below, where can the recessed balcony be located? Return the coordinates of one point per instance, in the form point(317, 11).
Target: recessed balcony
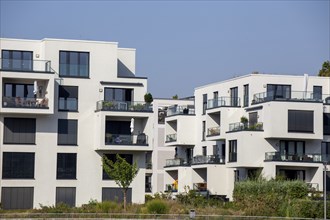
point(124, 139)
point(28, 65)
point(214, 131)
point(123, 106)
point(24, 102)
point(278, 156)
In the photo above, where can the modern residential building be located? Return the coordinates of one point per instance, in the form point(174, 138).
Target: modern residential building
point(65, 104)
point(272, 124)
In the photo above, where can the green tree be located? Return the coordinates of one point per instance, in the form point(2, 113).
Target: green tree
point(121, 172)
point(325, 71)
point(175, 96)
point(148, 98)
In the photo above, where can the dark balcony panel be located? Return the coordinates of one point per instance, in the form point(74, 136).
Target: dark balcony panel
point(210, 159)
point(223, 102)
point(277, 156)
point(123, 106)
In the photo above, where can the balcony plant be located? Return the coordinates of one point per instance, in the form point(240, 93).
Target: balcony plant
point(107, 105)
point(138, 107)
point(148, 98)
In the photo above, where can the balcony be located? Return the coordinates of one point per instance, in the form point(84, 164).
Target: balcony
point(123, 106)
point(177, 162)
point(171, 187)
point(223, 102)
point(277, 156)
point(210, 159)
point(293, 96)
point(239, 126)
point(200, 187)
point(123, 139)
point(180, 110)
point(14, 65)
point(214, 131)
point(171, 138)
point(18, 102)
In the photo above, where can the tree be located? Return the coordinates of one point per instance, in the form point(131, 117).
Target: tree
point(325, 71)
point(175, 96)
point(148, 98)
point(121, 172)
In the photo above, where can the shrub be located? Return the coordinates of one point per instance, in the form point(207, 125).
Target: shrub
point(157, 207)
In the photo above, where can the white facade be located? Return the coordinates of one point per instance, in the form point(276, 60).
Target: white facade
point(93, 68)
point(283, 136)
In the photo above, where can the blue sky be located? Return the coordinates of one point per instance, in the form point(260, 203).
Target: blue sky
point(185, 44)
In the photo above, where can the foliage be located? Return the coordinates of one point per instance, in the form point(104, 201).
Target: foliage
point(175, 96)
point(325, 71)
point(157, 207)
point(307, 209)
point(148, 98)
point(121, 172)
point(244, 120)
point(58, 208)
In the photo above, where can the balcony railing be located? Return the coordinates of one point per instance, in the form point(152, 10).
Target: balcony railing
point(200, 186)
point(123, 106)
point(210, 159)
point(239, 126)
point(123, 139)
point(23, 102)
point(180, 110)
point(300, 96)
point(177, 162)
point(277, 156)
point(171, 188)
point(170, 138)
point(223, 102)
point(26, 65)
point(214, 131)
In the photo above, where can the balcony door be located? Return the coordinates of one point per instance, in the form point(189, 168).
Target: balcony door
point(291, 149)
point(278, 91)
point(118, 94)
point(17, 60)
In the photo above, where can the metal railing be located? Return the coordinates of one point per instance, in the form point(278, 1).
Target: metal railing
point(277, 156)
point(177, 162)
point(124, 139)
point(289, 96)
point(213, 131)
point(171, 138)
point(200, 186)
point(123, 106)
point(239, 126)
point(223, 101)
point(24, 102)
point(180, 110)
point(171, 188)
point(26, 65)
point(209, 159)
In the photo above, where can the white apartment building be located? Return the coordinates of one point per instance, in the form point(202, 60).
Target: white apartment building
point(284, 131)
point(65, 104)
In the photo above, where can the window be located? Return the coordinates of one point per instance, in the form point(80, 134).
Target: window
point(66, 165)
point(66, 195)
point(115, 194)
point(253, 118)
point(17, 197)
point(116, 94)
point(236, 175)
point(300, 121)
point(68, 98)
point(246, 95)
point(19, 131)
point(326, 123)
point(17, 60)
point(74, 64)
point(204, 103)
point(325, 151)
point(203, 130)
point(317, 92)
point(19, 90)
point(234, 96)
point(204, 152)
point(67, 132)
point(292, 148)
point(278, 92)
point(113, 158)
point(233, 151)
point(17, 165)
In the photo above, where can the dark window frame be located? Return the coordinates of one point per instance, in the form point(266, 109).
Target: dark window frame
point(279, 91)
point(232, 150)
point(66, 125)
point(22, 60)
point(18, 165)
point(12, 123)
point(63, 169)
point(65, 98)
point(234, 97)
point(299, 121)
point(127, 94)
point(68, 62)
point(204, 103)
point(246, 95)
point(326, 123)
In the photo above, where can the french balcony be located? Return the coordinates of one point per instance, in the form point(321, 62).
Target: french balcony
point(239, 126)
point(293, 96)
point(171, 138)
point(210, 159)
point(23, 102)
point(177, 162)
point(223, 102)
point(277, 156)
point(14, 65)
point(123, 106)
point(213, 131)
point(180, 110)
point(123, 139)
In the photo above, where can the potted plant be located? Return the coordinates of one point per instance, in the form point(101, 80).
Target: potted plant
point(148, 98)
point(107, 105)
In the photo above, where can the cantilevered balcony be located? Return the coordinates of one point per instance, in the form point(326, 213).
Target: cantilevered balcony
point(277, 156)
point(24, 102)
point(123, 139)
point(223, 102)
point(239, 126)
point(171, 138)
point(214, 131)
point(123, 106)
point(181, 110)
point(292, 96)
point(177, 162)
point(20, 65)
point(210, 159)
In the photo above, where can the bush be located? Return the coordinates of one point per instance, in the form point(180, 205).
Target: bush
point(157, 207)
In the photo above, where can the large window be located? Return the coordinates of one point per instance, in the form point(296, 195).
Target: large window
point(66, 195)
point(66, 165)
point(113, 158)
point(17, 197)
point(326, 123)
point(117, 94)
point(204, 103)
point(67, 132)
point(317, 92)
point(74, 64)
point(68, 98)
point(278, 91)
point(325, 151)
point(292, 148)
point(17, 60)
point(234, 97)
point(232, 150)
point(300, 121)
point(19, 131)
point(246, 95)
point(17, 165)
point(19, 90)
